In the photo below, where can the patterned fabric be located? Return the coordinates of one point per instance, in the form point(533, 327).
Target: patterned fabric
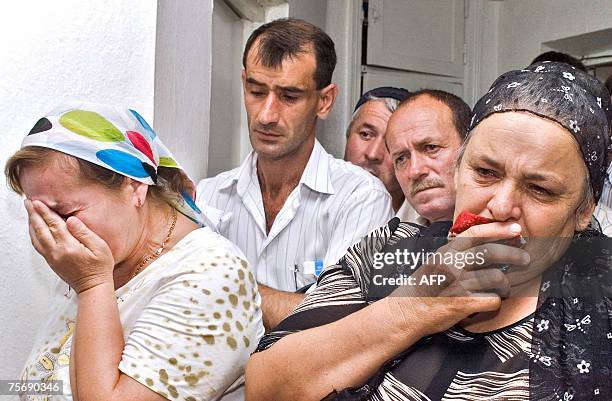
point(561, 93)
point(189, 321)
point(117, 139)
point(563, 351)
point(572, 346)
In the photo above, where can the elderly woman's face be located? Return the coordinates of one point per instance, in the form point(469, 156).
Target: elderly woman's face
point(526, 169)
point(57, 184)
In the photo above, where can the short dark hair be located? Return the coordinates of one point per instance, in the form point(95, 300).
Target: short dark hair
point(560, 58)
point(286, 38)
point(460, 110)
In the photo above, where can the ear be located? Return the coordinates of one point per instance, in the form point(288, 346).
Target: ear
point(327, 98)
point(583, 217)
point(136, 192)
point(243, 75)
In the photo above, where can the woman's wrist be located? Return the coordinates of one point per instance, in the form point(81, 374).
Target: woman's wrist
point(399, 321)
point(96, 281)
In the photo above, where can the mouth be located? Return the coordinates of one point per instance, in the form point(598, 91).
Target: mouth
point(267, 135)
point(424, 189)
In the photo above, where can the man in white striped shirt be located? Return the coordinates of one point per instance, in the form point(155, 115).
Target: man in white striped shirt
point(291, 207)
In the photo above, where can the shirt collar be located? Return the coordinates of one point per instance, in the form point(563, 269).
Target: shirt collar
point(242, 175)
point(316, 175)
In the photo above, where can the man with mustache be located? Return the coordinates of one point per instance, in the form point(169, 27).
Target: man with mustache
point(424, 136)
point(365, 137)
point(291, 207)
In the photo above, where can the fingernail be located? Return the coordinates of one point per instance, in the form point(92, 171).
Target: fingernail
point(515, 228)
point(526, 258)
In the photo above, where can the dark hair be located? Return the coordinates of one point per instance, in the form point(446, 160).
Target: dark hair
point(560, 58)
point(460, 110)
point(287, 38)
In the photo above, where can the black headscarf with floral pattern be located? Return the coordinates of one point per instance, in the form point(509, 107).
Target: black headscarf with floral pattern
point(571, 350)
point(561, 93)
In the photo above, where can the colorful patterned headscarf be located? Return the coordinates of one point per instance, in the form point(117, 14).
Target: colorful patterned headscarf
point(561, 93)
point(117, 139)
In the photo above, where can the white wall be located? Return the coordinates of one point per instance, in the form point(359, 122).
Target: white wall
point(343, 25)
point(226, 100)
point(102, 51)
point(525, 24)
point(183, 67)
point(334, 18)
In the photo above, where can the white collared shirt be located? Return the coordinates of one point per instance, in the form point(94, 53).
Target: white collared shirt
point(606, 193)
point(409, 214)
point(333, 206)
point(603, 214)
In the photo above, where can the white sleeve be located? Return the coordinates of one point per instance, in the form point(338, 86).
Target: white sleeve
point(363, 211)
point(193, 338)
point(213, 217)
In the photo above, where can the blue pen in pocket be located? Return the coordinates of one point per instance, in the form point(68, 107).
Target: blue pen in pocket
point(313, 267)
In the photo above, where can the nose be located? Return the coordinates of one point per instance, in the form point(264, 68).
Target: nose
point(376, 150)
point(269, 115)
point(504, 204)
point(417, 167)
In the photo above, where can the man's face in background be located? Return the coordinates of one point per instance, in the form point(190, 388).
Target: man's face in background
point(365, 145)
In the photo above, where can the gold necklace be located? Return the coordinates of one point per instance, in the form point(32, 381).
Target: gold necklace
point(161, 248)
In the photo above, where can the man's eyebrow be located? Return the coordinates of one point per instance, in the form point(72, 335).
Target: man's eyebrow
point(253, 81)
point(368, 126)
point(290, 89)
point(426, 140)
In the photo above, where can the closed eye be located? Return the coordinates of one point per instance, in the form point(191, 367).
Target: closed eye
point(65, 216)
point(290, 99)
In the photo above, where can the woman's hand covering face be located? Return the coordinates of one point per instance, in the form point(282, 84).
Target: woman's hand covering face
point(468, 288)
point(80, 257)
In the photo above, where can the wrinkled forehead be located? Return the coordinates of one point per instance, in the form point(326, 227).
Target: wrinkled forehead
point(373, 109)
point(525, 140)
point(416, 121)
point(51, 179)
